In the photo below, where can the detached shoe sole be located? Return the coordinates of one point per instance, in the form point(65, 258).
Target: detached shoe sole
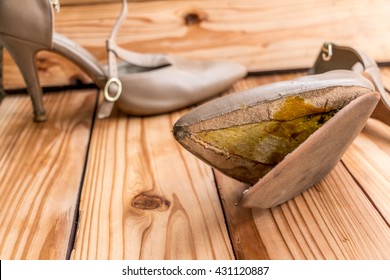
point(283, 137)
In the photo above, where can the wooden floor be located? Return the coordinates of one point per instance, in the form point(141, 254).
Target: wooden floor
point(122, 188)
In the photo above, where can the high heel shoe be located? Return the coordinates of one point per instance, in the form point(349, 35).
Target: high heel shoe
point(284, 137)
point(143, 84)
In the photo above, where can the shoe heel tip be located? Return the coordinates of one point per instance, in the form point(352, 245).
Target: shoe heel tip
point(40, 118)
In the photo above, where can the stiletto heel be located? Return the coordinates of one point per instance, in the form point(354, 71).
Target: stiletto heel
point(23, 53)
point(141, 84)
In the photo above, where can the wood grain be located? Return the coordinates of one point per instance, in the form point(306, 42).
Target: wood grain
point(247, 243)
point(368, 161)
point(41, 165)
point(86, 2)
point(332, 220)
point(144, 198)
point(262, 35)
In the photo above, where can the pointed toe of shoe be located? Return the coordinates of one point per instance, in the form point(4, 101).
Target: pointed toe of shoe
point(222, 74)
point(233, 71)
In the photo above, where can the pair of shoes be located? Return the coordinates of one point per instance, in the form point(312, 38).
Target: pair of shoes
point(139, 85)
point(284, 137)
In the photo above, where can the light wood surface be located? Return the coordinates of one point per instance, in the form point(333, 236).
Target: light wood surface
point(368, 160)
point(343, 217)
point(145, 198)
point(332, 220)
point(123, 188)
point(263, 35)
point(41, 166)
point(85, 2)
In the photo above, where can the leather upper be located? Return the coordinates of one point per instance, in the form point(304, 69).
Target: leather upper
point(29, 20)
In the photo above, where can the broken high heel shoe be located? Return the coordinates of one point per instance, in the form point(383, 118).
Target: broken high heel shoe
point(142, 84)
point(284, 137)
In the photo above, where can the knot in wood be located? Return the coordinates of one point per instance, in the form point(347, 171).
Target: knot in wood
point(42, 63)
point(150, 202)
point(194, 18)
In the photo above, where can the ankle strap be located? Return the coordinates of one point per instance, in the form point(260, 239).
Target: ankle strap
point(56, 5)
point(113, 88)
point(333, 57)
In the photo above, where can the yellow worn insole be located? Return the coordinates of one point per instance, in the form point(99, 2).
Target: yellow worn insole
point(265, 142)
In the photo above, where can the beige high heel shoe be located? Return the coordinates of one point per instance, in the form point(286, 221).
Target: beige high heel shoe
point(142, 84)
point(284, 137)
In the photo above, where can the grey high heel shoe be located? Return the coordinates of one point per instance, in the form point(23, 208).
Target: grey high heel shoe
point(139, 85)
point(284, 137)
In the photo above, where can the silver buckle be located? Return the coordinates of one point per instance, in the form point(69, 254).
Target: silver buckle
point(56, 5)
point(327, 51)
point(107, 95)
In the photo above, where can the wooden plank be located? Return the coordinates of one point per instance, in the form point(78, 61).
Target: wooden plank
point(53, 69)
point(379, 133)
point(385, 71)
point(263, 35)
point(85, 2)
point(247, 242)
point(336, 219)
point(41, 166)
point(369, 161)
point(145, 198)
point(333, 220)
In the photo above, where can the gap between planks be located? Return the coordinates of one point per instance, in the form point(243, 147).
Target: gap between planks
point(145, 198)
point(41, 166)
